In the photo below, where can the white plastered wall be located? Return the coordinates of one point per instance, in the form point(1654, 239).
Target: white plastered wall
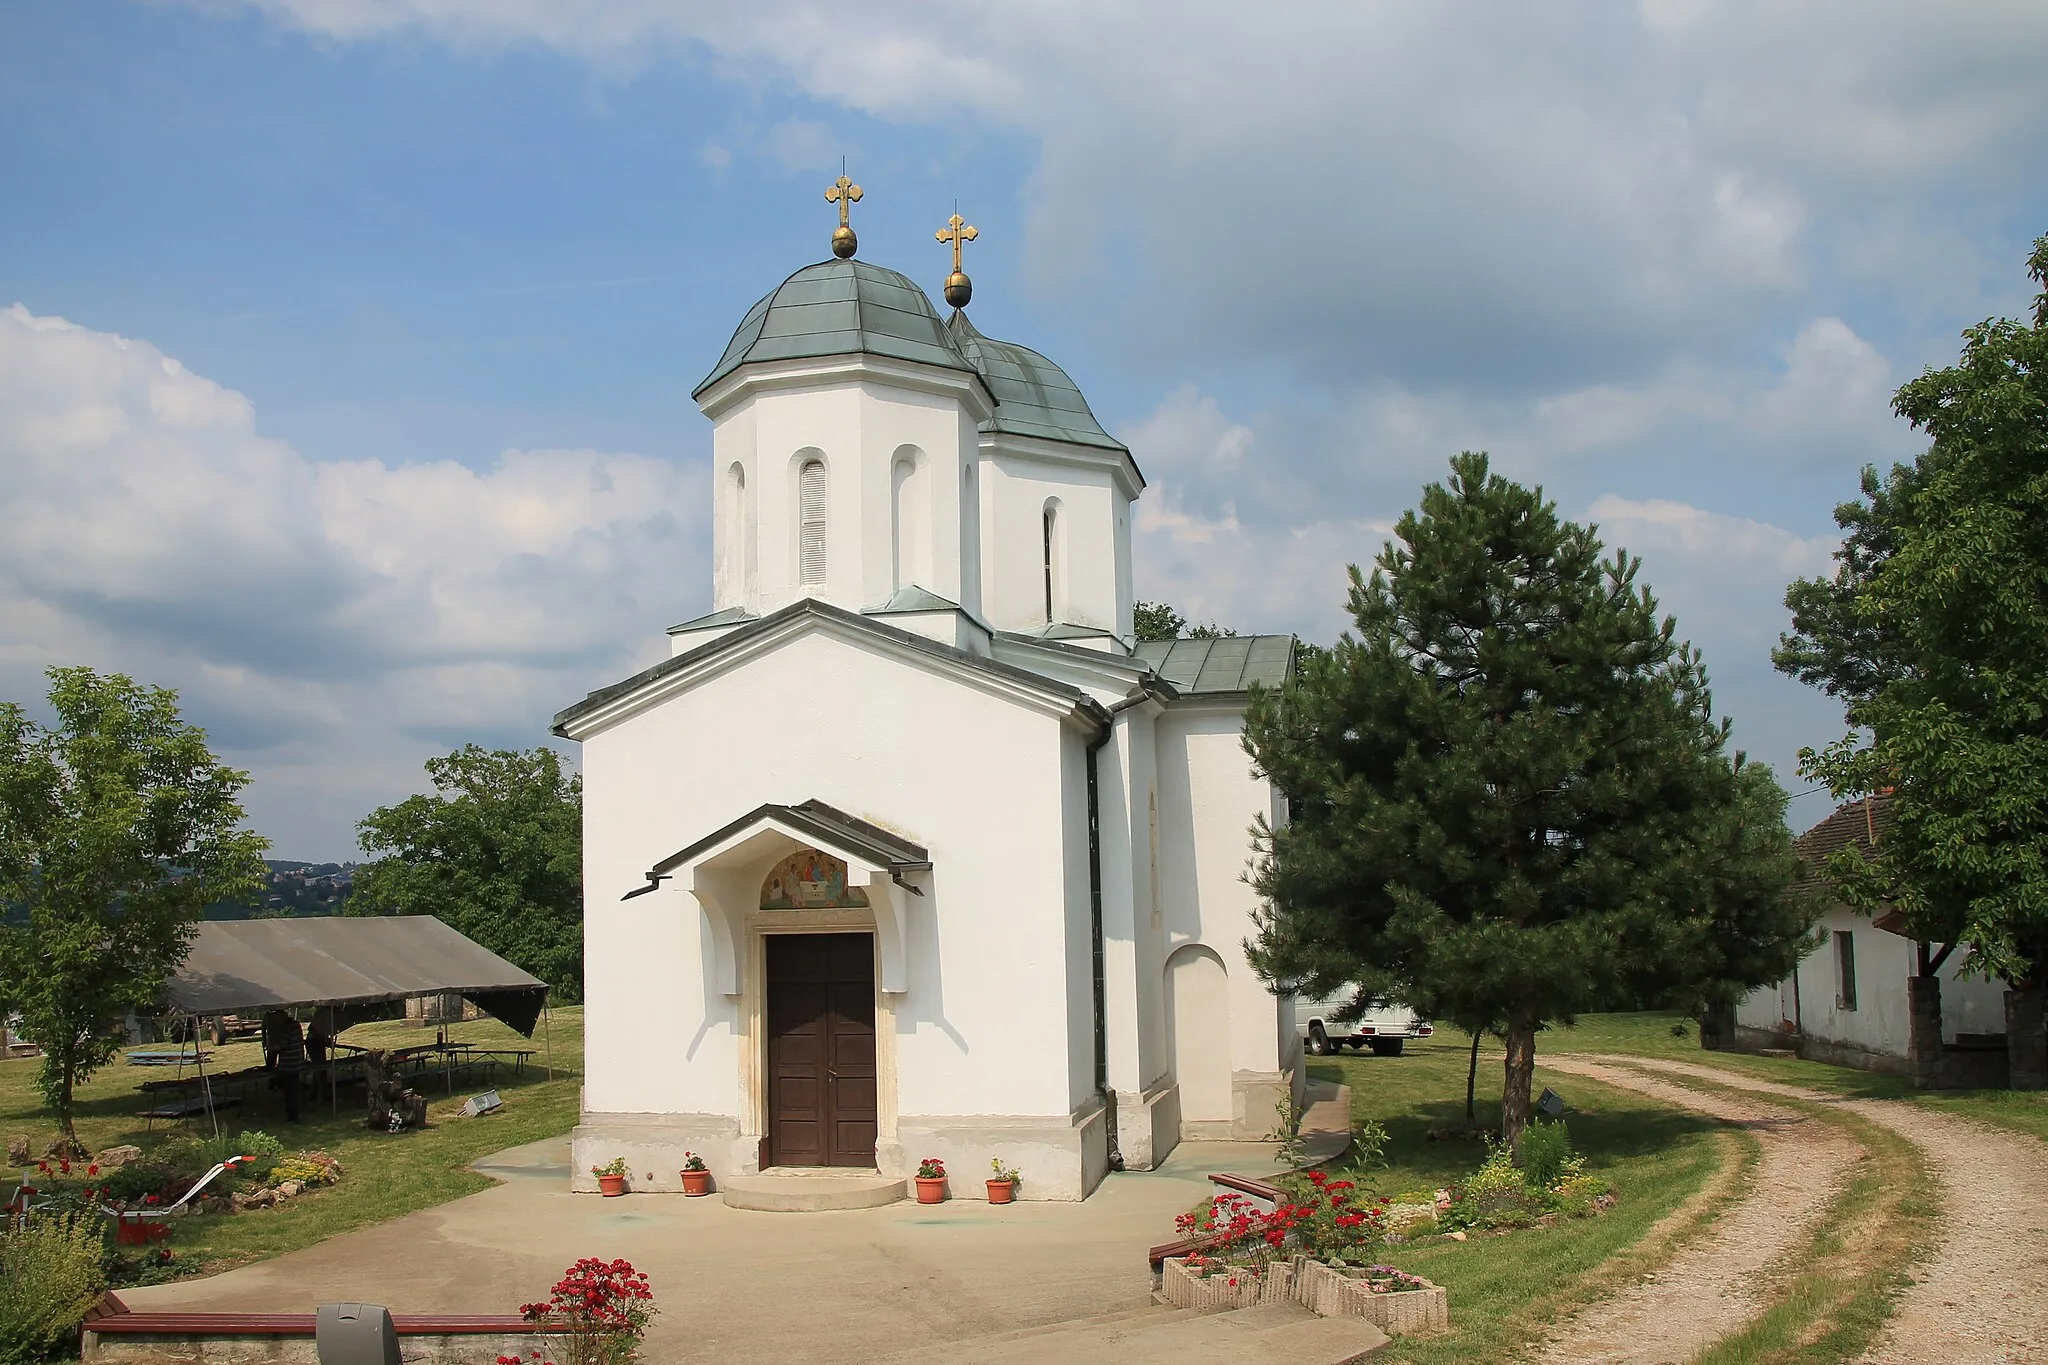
point(1881, 1022)
point(1209, 796)
point(862, 427)
point(1092, 582)
point(983, 1034)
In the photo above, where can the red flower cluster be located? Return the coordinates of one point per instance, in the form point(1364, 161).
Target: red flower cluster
point(601, 1293)
point(1325, 1222)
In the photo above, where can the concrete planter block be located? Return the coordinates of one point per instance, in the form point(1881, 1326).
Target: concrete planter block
point(1333, 1293)
point(1226, 1289)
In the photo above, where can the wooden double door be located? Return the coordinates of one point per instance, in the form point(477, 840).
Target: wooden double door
point(821, 1050)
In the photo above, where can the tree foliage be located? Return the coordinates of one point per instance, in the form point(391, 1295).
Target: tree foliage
point(1934, 634)
point(1509, 800)
point(1159, 621)
point(496, 853)
point(117, 827)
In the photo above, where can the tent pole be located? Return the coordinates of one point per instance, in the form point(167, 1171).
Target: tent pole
point(548, 1031)
point(205, 1089)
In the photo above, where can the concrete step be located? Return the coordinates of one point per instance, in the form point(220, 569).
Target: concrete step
point(811, 1189)
point(1278, 1334)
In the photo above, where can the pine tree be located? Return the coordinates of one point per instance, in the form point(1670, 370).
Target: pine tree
point(1508, 794)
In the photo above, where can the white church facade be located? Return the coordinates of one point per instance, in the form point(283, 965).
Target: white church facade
point(910, 849)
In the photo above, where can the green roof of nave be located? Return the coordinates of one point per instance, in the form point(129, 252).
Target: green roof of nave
point(848, 307)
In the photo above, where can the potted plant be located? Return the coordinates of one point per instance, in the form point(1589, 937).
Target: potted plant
point(931, 1181)
point(611, 1177)
point(696, 1175)
point(1002, 1186)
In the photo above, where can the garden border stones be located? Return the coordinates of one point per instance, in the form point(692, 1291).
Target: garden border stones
point(1327, 1292)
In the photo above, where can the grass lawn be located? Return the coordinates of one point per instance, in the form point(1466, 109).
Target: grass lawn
point(384, 1174)
point(1649, 1035)
point(1660, 1160)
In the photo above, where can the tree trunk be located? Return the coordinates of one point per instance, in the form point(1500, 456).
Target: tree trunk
point(67, 1123)
point(1521, 1067)
point(1472, 1079)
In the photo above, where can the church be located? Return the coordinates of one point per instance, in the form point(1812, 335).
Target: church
point(910, 849)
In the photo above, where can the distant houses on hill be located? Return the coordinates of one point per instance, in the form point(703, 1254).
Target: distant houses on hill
point(292, 889)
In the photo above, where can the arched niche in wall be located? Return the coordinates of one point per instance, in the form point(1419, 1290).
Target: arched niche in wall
point(736, 531)
point(1198, 1025)
point(812, 509)
point(910, 522)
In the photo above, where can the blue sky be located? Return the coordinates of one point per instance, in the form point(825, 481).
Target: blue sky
point(345, 366)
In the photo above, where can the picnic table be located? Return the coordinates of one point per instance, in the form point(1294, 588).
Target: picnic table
point(165, 1057)
point(453, 1058)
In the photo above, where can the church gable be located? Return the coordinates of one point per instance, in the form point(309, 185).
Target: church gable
point(737, 649)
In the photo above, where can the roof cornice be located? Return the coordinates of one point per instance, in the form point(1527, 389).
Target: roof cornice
point(1118, 463)
point(772, 376)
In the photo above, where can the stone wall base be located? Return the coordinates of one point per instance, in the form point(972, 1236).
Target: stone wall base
point(654, 1146)
point(2026, 1034)
point(1147, 1124)
point(164, 1348)
point(1056, 1158)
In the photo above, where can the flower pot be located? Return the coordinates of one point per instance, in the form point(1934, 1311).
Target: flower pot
point(611, 1186)
point(931, 1189)
point(1001, 1191)
point(696, 1183)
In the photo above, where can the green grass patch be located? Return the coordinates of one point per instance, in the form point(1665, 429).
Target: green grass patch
point(385, 1175)
point(1650, 1035)
point(1672, 1172)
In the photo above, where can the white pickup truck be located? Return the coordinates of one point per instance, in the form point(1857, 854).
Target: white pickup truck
point(1383, 1028)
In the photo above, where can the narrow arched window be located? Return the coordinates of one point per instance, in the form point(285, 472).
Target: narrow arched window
point(810, 497)
point(1051, 528)
point(733, 527)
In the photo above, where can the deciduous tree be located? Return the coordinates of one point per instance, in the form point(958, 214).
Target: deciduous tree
point(1509, 799)
point(1934, 634)
point(496, 853)
point(117, 826)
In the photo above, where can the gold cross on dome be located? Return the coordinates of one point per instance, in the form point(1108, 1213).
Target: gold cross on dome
point(956, 231)
point(843, 192)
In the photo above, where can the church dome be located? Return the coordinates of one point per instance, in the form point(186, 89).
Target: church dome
point(1033, 396)
point(841, 307)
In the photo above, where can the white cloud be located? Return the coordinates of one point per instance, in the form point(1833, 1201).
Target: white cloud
point(801, 145)
point(1434, 190)
point(341, 618)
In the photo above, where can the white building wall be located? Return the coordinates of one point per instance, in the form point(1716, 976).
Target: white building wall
point(862, 429)
point(1881, 1022)
point(1090, 585)
point(1208, 797)
point(983, 1028)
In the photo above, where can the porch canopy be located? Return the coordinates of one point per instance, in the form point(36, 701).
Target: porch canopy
point(249, 966)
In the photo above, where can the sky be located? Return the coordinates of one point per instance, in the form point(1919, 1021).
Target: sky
point(346, 345)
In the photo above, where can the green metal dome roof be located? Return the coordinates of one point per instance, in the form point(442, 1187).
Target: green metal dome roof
point(1033, 396)
point(840, 307)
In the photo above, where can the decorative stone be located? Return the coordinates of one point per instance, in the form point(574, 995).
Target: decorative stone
point(1227, 1287)
point(1332, 1293)
point(17, 1151)
point(113, 1158)
point(290, 1189)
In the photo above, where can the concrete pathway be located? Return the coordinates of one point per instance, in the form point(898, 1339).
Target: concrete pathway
point(735, 1285)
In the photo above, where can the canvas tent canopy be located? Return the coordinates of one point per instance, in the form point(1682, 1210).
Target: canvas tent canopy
point(249, 966)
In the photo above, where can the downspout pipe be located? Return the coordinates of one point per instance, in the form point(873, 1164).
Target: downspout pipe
point(1106, 728)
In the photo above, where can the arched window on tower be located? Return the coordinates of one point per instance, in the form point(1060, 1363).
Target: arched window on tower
point(810, 497)
point(1050, 523)
point(737, 532)
point(910, 548)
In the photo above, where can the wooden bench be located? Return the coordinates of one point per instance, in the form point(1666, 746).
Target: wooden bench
point(116, 1333)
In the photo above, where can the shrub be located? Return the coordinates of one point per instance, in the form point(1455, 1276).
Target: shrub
point(50, 1277)
point(302, 1170)
point(263, 1149)
point(1546, 1152)
point(138, 1178)
point(1496, 1196)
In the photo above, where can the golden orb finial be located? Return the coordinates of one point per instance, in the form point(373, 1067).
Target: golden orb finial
point(843, 193)
point(959, 289)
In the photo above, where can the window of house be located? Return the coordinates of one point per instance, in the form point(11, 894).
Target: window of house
point(1845, 969)
point(810, 496)
point(1051, 527)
